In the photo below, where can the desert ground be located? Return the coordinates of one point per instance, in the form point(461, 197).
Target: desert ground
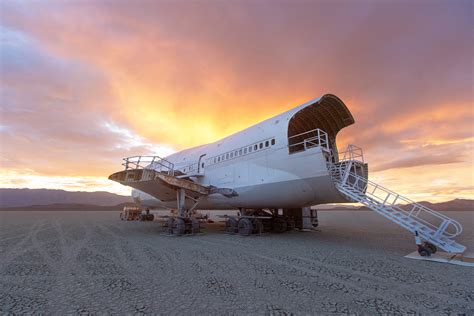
point(90, 262)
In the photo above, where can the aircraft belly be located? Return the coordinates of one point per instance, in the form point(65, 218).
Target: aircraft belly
point(282, 194)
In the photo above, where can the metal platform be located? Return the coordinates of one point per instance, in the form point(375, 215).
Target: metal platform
point(466, 260)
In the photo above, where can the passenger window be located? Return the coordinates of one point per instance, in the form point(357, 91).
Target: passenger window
point(273, 141)
point(255, 147)
point(218, 159)
point(245, 150)
point(260, 145)
point(250, 149)
point(235, 153)
point(240, 152)
point(227, 156)
point(267, 143)
point(231, 155)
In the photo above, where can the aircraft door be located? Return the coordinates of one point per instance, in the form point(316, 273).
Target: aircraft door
point(201, 163)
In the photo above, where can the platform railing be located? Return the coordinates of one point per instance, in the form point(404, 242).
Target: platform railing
point(309, 139)
point(149, 162)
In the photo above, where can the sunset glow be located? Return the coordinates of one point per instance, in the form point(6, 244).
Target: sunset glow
point(84, 84)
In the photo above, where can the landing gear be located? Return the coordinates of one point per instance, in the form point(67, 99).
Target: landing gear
point(279, 225)
point(183, 226)
point(245, 226)
point(257, 221)
point(179, 226)
point(184, 223)
point(257, 226)
point(290, 224)
point(231, 225)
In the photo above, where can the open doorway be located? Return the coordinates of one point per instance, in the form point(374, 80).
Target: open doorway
point(328, 114)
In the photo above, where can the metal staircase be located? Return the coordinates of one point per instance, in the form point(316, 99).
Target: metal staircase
point(350, 177)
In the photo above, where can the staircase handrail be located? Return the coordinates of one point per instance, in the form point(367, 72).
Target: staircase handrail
point(416, 207)
point(353, 153)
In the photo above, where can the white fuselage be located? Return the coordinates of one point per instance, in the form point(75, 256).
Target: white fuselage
point(257, 165)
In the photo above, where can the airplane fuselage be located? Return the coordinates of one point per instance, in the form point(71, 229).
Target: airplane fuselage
point(261, 165)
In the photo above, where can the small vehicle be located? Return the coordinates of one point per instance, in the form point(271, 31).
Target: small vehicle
point(130, 213)
point(146, 216)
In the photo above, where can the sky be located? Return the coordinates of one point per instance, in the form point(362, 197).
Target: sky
point(85, 83)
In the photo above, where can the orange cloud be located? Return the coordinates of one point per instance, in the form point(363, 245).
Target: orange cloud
point(86, 84)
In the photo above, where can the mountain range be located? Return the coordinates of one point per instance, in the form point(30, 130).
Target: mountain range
point(61, 199)
point(28, 197)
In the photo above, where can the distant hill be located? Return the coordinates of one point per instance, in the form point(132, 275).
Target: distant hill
point(68, 207)
point(60, 199)
point(28, 197)
point(453, 205)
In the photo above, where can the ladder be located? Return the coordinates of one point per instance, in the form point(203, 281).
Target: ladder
point(424, 222)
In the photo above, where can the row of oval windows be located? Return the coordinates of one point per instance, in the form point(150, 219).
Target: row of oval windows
point(245, 150)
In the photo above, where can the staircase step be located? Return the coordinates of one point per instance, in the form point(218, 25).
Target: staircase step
point(398, 216)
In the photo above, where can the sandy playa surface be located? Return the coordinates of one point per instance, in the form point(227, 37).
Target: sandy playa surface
point(91, 262)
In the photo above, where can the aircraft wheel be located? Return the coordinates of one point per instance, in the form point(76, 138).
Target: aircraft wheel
point(121, 216)
point(169, 225)
point(245, 227)
point(195, 226)
point(432, 248)
point(231, 225)
point(257, 226)
point(290, 223)
point(179, 226)
point(279, 225)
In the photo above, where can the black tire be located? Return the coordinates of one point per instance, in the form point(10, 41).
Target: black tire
point(257, 226)
point(121, 216)
point(179, 226)
point(231, 225)
point(195, 226)
point(169, 225)
point(424, 252)
point(245, 227)
point(290, 224)
point(432, 248)
point(279, 225)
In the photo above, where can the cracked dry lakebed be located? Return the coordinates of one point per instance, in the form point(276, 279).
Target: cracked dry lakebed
point(90, 262)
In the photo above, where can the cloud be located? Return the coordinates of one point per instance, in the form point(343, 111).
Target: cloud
point(52, 111)
point(90, 81)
